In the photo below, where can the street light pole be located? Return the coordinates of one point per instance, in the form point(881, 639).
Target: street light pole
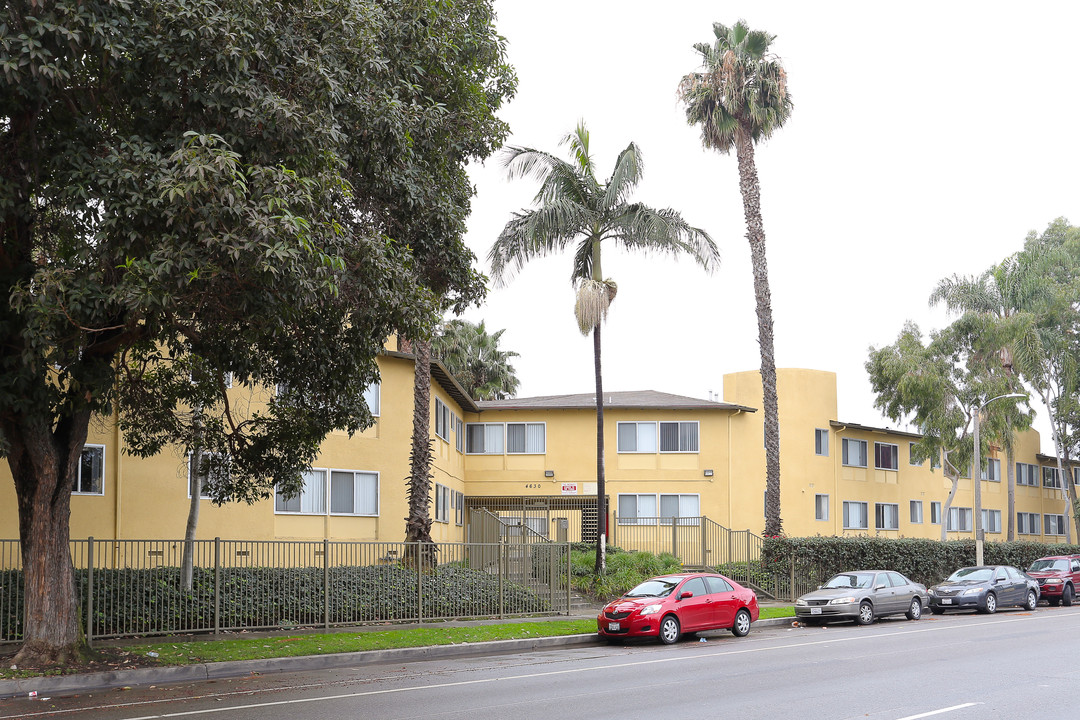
point(977, 476)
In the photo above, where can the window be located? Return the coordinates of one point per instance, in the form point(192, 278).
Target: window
point(821, 442)
point(457, 501)
point(992, 470)
point(854, 452)
point(991, 521)
point(459, 434)
point(1025, 474)
point(311, 500)
point(679, 437)
point(885, 456)
point(959, 520)
point(642, 509)
point(636, 437)
point(90, 479)
point(211, 469)
point(915, 512)
point(1053, 524)
point(484, 438)
point(442, 503)
point(821, 507)
point(637, 509)
point(354, 493)
point(442, 420)
point(372, 397)
point(886, 515)
point(935, 461)
point(1076, 475)
point(855, 514)
point(717, 584)
point(913, 455)
point(685, 507)
point(525, 438)
point(935, 513)
point(1027, 523)
point(1050, 478)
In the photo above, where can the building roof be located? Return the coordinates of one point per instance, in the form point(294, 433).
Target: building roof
point(867, 428)
point(632, 400)
point(445, 379)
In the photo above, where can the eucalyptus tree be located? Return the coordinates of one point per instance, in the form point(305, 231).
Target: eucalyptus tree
point(739, 98)
point(268, 189)
point(474, 357)
point(573, 207)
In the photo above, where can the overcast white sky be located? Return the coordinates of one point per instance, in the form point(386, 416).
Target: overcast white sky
point(927, 139)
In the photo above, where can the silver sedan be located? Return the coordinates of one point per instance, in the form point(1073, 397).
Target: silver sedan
point(862, 596)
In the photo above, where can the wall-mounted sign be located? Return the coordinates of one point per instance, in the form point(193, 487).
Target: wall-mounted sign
point(569, 488)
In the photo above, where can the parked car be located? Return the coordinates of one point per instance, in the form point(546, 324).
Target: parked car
point(862, 596)
point(984, 588)
point(1058, 577)
point(669, 606)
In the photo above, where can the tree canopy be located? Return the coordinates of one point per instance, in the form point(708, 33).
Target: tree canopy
point(474, 357)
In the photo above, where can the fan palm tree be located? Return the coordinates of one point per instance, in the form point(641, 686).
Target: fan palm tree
point(740, 97)
point(473, 356)
point(574, 207)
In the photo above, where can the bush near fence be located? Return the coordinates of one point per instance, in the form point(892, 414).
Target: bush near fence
point(922, 560)
point(133, 602)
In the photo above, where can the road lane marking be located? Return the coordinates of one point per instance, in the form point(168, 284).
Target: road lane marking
point(939, 712)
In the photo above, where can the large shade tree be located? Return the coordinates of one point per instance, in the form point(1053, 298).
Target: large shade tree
point(191, 188)
point(739, 98)
point(573, 207)
point(473, 356)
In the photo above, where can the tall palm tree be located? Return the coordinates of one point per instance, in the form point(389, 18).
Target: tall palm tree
point(473, 356)
point(740, 97)
point(573, 206)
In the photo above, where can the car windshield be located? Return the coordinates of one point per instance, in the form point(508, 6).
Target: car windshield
point(972, 574)
point(1045, 565)
point(850, 580)
point(657, 587)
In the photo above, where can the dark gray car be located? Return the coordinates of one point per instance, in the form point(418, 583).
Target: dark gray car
point(985, 588)
point(862, 596)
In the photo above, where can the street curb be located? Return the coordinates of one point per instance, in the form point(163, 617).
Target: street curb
point(87, 682)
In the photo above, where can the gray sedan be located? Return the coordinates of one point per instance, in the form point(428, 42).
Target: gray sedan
point(985, 588)
point(862, 596)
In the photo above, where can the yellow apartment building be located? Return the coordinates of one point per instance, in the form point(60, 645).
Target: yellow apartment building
point(532, 462)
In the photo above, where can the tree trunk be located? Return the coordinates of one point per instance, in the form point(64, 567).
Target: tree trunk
point(44, 464)
point(187, 559)
point(601, 490)
point(755, 233)
point(948, 504)
point(420, 553)
point(1011, 475)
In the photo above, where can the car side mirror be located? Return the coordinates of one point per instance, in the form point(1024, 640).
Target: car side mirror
point(686, 594)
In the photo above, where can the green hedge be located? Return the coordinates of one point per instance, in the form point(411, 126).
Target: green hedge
point(922, 560)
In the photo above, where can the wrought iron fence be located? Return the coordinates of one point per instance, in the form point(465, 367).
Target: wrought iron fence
point(134, 587)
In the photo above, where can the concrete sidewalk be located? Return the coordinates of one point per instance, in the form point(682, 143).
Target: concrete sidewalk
point(86, 682)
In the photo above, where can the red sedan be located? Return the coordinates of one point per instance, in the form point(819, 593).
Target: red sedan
point(672, 605)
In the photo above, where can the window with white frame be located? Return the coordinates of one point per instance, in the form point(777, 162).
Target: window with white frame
point(886, 456)
point(935, 513)
point(913, 455)
point(679, 437)
point(821, 507)
point(442, 503)
point(821, 442)
point(1076, 475)
point(311, 500)
point(1026, 474)
point(636, 437)
point(637, 509)
point(991, 521)
point(442, 420)
point(210, 468)
point(992, 470)
point(915, 512)
point(373, 398)
point(1053, 524)
point(853, 452)
point(457, 501)
point(484, 438)
point(855, 515)
point(1027, 523)
point(525, 438)
point(90, 476)
point(1050, 477)
point(459, 434)
point(686, 507)
point(354, 493)
point(886, 516)
point(959, 520)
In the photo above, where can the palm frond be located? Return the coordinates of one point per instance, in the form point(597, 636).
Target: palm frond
point(534, 234)
point(645, 229)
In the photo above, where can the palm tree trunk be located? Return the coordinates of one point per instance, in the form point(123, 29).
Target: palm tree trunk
point(755, 233)
point(601, 490)
point(420, 552)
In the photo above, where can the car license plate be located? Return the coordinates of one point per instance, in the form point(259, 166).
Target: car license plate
point(815, 611)
point(946, 601)
point(612, 627)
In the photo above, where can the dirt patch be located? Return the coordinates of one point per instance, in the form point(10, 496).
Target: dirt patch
point(102, 659)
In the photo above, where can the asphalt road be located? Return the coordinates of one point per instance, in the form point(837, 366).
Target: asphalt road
point(1012, 665)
